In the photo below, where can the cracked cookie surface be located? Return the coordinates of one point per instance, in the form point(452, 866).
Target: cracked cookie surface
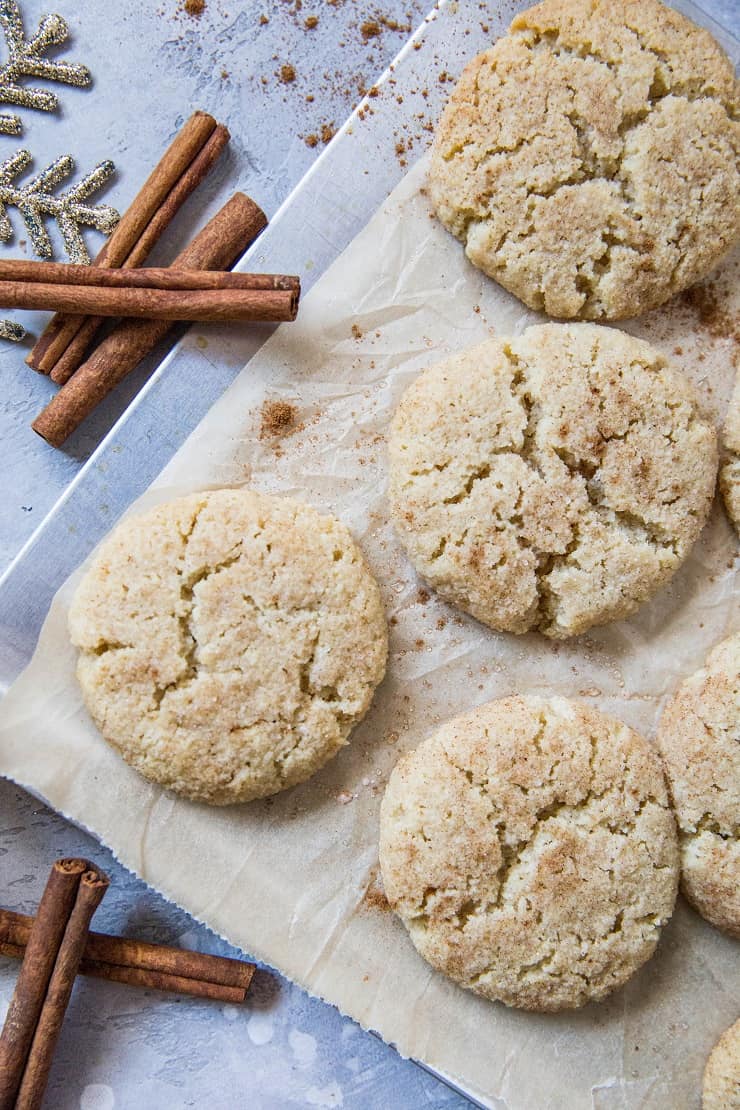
point(721, 1088)
point(229, 641)
point(699, 737)
point(589, 160)
point(530, 850)
point(729, 475)
point(552, 481)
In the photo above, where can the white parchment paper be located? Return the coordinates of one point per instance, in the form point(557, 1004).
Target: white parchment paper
point(293, 880)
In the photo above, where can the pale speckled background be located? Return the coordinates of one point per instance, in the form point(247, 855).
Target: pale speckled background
point(153, 65)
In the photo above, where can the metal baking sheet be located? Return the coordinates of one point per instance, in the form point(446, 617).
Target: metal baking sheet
point(332, 203)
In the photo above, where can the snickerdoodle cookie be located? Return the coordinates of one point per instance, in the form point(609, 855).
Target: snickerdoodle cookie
point(530, 850)
point(729, 475)
point(229, 641)
point(589, 159)
point(721, 1090)
point(553, 481)
point(699, 737)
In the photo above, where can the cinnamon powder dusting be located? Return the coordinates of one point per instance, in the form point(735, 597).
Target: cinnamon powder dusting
point(278, 417)
point(712, 315)
point(370, 29)
point(374, 897)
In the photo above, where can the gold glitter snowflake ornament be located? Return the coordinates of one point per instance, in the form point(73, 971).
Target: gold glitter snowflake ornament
point(12, 331)
point(25, 60)
point(35, 199)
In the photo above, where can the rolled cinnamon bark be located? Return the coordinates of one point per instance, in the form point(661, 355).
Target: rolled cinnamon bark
point(160, 981)
point(223, 303)
point(183, 166)
point(68, 360)
point(216, 247)
point(191, 178)
point(44, 941)
point(187, 144)
point(21, 273)
point(146, 979)
point(142, 964)
point(92, 886)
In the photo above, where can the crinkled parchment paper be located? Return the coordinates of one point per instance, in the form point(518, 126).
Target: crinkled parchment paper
point(293, 879)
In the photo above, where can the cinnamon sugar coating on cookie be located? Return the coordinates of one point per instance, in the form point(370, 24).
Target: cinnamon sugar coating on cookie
point(229, 641)
point(589, 161)
point(529, 848)
point(699, 737)
point(552, 481)
point(721, 1089)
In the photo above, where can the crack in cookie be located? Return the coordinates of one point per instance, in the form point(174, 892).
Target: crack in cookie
point(589, 161)
point(529, 848)
point(699, 737)
point(229, 642)
point(551, 482)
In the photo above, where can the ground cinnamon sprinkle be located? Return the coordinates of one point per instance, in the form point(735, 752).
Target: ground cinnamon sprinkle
point(372, 26)
point(277, 417)
point(374, 897)
point(712, 316)
point(370, 29)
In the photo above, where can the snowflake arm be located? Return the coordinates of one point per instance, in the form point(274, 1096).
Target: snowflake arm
point(9, 329)
point(35, 199)
point(25, 60)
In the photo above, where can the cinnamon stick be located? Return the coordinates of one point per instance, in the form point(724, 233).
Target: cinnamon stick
point(68, 360)
point(73, 355)
point(216, 247)
point(22, 272)
point(179, 172)
point(44, 941)
point(155, 295)
point(92, 886)
point(148, 980)
point(196, 172)
point(142, 964)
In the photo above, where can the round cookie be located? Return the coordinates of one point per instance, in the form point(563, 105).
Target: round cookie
point(589, 159)
point(529, 848)
point(699, 737)
point(729, 475)
point(553, 481)
point(229, 641)
point(721, 1089)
